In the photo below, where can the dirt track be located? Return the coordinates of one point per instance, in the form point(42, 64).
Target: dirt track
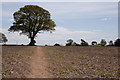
point(38, 65)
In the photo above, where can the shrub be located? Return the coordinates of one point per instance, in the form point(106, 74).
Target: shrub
point(117, 42)
point(84, 44)
point(3, 38)
point(99, 44)
point(103, 42)
point(94, 43)
point(111, 43)
point(77, 45)
point(46, 45)
point(57, 44)
point(69, 42)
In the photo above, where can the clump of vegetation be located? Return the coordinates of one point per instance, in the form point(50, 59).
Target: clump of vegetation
point(46, 45)
point(69, 42)
point(111, 43)
point(75, 44)
point(118, 74)
point(117, 42)
point(103, 42)
point(94, 43)
point(83, 43)
point(57, 44)
point(106, 75)
point(64, 72)
point(3, 38)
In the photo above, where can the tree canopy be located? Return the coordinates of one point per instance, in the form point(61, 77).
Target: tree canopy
point(69, 42)
point(103, 42)
point(30, 20)
point(84, 43)
point(117, 42)
point(3, 38)
point(110, 43)
point(94, 43)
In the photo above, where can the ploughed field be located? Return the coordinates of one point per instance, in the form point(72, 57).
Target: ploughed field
point(15, 61)
point(61, 62)
point(80, 62)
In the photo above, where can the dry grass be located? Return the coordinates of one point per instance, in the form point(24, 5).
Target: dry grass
point(80, 62)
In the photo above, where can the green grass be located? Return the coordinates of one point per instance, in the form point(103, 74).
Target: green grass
point(107, 75)
point(118, 74)
point(64, 72)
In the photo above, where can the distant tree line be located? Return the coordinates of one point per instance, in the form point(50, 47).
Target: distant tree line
point(70, 42)
point(103, 42)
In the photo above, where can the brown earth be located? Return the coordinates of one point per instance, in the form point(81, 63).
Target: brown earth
point(38, 65)
point(15, 61)
point(81, 62)
point(60, 62)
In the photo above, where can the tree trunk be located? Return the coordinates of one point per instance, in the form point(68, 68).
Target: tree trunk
point(32, 41)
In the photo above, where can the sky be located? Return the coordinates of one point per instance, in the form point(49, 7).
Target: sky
point(91, 21)
point(59, 0)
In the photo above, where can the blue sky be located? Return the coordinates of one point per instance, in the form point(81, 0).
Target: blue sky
point(74, 20)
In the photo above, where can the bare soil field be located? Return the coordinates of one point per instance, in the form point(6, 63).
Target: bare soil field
point(15, 61)
point(82, 62)
point(59, 62)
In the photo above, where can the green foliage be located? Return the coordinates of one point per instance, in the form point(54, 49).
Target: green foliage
point(75, 44)
point(69, 42)
point(117, 42)
point(3, 38)
point(64, 72)
point(103, 42)
point(83, 43)
point(111, 43)
point(32, 19)
point(57, 44)
point(94, 43)
point(99, 44)
point(107, 75)
point(118, 74)
point(46, 45)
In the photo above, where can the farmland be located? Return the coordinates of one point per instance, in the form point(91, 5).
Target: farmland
point(59, 62)
point(15, 61)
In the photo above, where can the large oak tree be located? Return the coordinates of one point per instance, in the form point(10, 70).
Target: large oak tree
point(30, 20)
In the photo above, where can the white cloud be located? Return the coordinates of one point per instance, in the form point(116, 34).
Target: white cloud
point(11, 20)
point(71, 10)
point(106, 19)
point(62, 30)
point(14, 38)
point(59, 36)
point(81, 10)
